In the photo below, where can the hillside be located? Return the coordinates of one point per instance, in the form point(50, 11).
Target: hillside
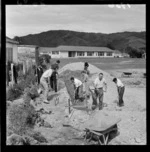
point(55, 38)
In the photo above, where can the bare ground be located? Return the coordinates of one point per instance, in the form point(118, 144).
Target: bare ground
point(132, 126)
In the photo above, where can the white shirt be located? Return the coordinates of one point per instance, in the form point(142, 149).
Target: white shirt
point(77, 82)
point(119, 83)
point(47, 73)
point(99, 83)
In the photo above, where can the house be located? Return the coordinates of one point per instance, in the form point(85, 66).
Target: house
point(77, 51)
point(48, 50)
point(11, 50)
point(117, 54)
point(125, 55)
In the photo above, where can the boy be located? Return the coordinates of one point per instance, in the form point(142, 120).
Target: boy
point(120, 88)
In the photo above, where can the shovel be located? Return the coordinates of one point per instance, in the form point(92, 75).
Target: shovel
point(67, 125)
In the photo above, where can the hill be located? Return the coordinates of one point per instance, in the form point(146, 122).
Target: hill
point(54, 38)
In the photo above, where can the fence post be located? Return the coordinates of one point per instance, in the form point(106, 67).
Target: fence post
point(12, 74)
point(24, 67)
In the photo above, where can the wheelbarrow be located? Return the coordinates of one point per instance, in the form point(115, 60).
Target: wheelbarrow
point(102, 135)
point(126, 74)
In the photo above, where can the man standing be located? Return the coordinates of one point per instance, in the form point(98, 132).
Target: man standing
point(54, 77)
point(39, 72)
point(86, 65)
point(100, 86)
point(120, 88)
point(78, 86)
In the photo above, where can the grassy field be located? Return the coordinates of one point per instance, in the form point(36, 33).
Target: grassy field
point(109, 63)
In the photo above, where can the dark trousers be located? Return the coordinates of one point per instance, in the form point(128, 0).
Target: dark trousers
point(99, 93)
point(79, 92)
point(53, 83)
point(120, 93)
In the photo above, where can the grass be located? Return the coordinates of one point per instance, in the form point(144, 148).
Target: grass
point(108, 63)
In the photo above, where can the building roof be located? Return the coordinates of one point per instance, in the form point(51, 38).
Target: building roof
point(47, 49)
point(9, 40)
point(83, 48)
point(117, 52)
point(31, 46)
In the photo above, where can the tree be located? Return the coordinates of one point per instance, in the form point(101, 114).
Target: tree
point(133, 52)
point(110, 46)
point(16, 38)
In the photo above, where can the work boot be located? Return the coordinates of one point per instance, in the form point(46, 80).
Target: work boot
point(121, 105)
point(45, 101)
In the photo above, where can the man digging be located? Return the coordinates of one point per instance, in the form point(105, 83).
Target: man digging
point(45, 81)
point(100, 86)
point(120, 88)
point(78, 86)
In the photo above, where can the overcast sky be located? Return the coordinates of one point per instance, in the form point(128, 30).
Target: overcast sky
point(22, 20)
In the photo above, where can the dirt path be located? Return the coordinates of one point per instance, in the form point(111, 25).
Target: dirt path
point(133, 115)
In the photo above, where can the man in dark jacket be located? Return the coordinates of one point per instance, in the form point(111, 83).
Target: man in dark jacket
point(39, 72)
point(86, 65)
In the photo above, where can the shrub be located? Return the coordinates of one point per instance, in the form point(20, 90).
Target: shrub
point(21, 117)
point(15, 139)
point(17, 90)
point(38, 136)
point(14, 93)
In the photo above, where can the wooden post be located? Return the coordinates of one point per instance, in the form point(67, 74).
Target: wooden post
point(12, 74)
point(37, 56)
point(24, 67)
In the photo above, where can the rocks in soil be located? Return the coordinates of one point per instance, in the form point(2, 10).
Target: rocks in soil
point(47, 125)
point(137, 140)
point(15, 139)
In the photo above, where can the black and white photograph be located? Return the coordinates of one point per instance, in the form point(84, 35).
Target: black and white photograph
point(76, 74)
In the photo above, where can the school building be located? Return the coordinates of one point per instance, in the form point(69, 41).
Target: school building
point(76, 51)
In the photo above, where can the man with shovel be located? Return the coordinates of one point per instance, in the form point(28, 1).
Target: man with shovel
point(120, 88)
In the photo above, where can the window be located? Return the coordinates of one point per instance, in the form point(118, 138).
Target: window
point(80, 53)
point(9, 54)
point(90, 53)
point(55, 52)
point(100, 53)
point(109, 54)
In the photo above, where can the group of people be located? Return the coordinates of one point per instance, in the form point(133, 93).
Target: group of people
point(100, 86)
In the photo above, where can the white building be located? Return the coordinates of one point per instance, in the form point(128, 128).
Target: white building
point(11, 50)
point(76, 51)
point(117, 54)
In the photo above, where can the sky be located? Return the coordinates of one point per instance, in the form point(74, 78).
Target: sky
point(22, 20)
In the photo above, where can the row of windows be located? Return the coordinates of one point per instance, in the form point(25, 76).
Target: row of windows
point(92, 54)
point(88, 53)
